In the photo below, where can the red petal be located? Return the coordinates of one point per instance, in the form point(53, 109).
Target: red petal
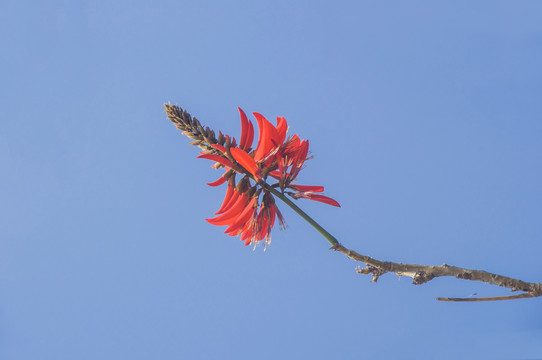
point(272, 216)
point(292, 144)
point(268, 135)
point(280, 163)
point(229, 193)
point(244, 128)
point(250, 136)
point(263, 225)
point(242, 218)
point(245, 160)
point(246, 231)
point(235, 196)
point(282, 128)
point(219, 147)
point(302, 152)
point(229, 216)
point(216, 158)
point(305, 188)
point(324, 199)
point(221, 180)
point(299, 160)
point(260, 134)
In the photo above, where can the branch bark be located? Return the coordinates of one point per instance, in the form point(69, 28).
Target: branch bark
point(421, 274)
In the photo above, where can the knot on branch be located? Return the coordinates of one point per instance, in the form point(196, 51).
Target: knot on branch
point(422, 277)
point(376, 272)
point(464, 275)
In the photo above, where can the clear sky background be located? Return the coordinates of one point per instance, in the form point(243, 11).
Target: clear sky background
point(425, 119)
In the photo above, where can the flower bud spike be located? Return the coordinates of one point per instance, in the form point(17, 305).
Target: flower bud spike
point(221, 138)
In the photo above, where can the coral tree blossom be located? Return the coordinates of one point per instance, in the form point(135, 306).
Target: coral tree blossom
point(249, 209)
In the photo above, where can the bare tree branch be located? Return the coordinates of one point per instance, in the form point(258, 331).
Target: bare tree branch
point(421, 274)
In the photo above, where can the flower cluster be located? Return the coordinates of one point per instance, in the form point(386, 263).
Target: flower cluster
point(249, 208)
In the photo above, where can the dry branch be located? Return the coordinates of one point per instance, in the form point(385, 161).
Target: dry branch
point(421, 274)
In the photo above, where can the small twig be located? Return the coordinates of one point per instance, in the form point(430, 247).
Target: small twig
point(511, 297)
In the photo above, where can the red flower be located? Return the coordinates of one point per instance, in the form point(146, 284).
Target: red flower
point(276, 156)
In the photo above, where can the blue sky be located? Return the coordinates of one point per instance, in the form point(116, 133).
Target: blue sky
point(425, 121)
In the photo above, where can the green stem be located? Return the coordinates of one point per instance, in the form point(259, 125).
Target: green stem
point(304, 215)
